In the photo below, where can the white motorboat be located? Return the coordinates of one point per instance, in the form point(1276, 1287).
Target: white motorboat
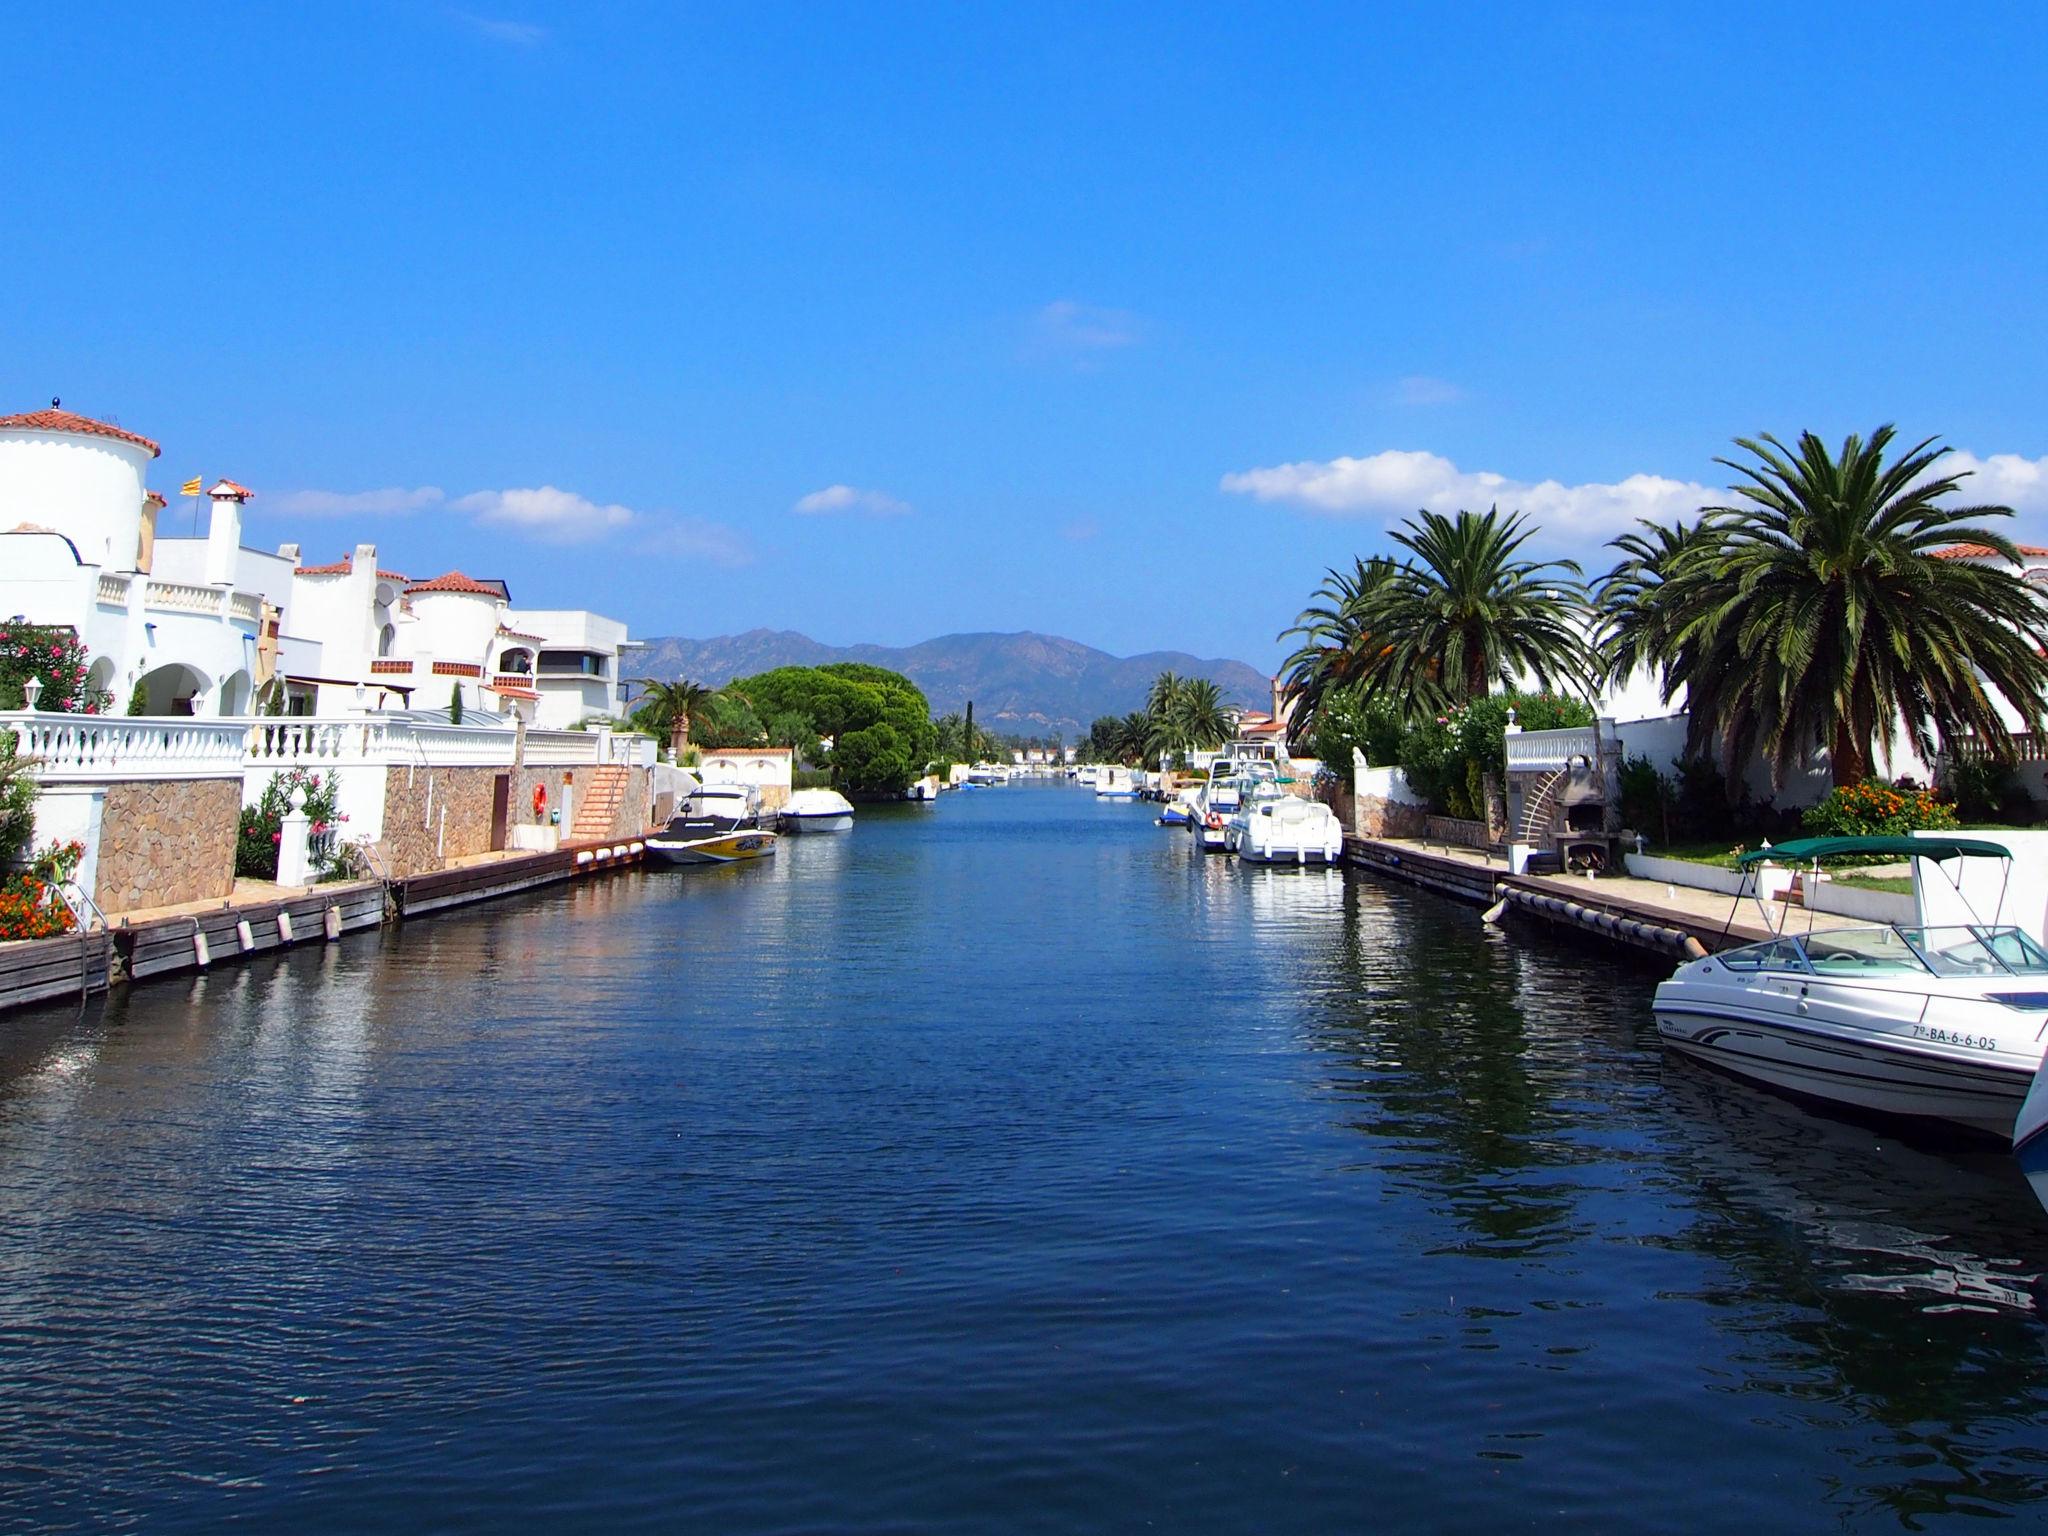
point(817, 810)
point(1114, 782)
point(1937, 1023)
point(2030, 1136)
point(1274, 827)
point(1085, 775)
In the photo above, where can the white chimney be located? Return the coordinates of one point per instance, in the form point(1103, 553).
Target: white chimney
point(224, 532)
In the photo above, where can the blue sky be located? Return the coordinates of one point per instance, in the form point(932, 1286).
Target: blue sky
point(1121, 322)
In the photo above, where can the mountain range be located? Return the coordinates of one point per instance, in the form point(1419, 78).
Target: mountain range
point(1024, 684)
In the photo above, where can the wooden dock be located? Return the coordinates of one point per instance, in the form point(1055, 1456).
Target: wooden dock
point(76, 966)
point(1639, 914)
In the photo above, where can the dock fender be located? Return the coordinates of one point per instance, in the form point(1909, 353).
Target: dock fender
point(331, 920)
point(1694, 949)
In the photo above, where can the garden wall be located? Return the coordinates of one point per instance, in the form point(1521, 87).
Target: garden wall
point(166, 841)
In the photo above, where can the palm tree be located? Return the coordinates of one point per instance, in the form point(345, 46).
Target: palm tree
point(1165, 691)
point(1336, 649)
point(1464, 613)
point(1636, 616)
point(1825, 611)
point(1137, 737)
point(1197, 718)
point(669, 709)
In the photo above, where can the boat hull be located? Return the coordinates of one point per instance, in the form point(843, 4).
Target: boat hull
point(722, 848)
point(1860, 1070)
point(837, 821)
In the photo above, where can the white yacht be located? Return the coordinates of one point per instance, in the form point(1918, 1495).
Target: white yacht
point(817, 810)
point(1274, 827)
point(1113, 781)
point(1939, 1023)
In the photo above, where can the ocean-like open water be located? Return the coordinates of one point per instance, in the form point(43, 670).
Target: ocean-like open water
point(1002, 1166)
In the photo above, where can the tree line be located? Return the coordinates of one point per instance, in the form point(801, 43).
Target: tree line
point(1181, 715)
point(1821, 606)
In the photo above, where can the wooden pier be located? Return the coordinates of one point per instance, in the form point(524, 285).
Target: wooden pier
point(199, 937)
point(1640, 914)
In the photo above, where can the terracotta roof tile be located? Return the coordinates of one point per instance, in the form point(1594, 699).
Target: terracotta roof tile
point(510, 693)
point(229, 488)
point(157, 497)
point(455, 581)
point(1982, 551)
point(55, 420)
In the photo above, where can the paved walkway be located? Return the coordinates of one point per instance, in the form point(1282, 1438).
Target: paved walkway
point(1653, 900)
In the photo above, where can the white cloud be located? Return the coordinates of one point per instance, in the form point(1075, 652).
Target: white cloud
point(847, 498)
point(1396, 483)
point(546, 513)
point(1421, 389)
point(395, 498)
point(520, 34)
point(2002, 480)
point(1069, 332)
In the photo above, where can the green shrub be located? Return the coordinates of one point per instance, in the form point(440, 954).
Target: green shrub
point(1646, 797)
point(50, 653)
point(1875, 808)
point(263, 825)
point(1982, 789)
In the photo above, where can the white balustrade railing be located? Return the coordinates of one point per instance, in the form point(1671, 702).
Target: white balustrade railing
point(113, 589)
point(563, 748)
point(631, 749)
point(181, 597)
point(246, 606)
point(1535, 751)
point(79, 747)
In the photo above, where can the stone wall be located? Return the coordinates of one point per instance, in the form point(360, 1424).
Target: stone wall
point(417, 843)
point(166, 841)
point(432, 815)
point(1377, 816)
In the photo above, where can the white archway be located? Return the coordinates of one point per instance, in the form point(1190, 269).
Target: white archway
point(236, 693)
point(99, 686)
point(172, 689)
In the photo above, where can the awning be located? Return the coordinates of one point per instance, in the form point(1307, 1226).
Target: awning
point(1806, 850)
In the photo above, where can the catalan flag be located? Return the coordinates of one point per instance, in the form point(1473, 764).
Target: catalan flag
point(191, 487)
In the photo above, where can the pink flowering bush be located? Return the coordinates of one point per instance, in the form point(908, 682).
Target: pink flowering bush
point(51, 653)
point(263, 825)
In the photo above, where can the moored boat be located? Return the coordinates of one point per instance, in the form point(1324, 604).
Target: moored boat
point(1940, 1023)
point(817, 810)
point(718, 824)
point(1274, 827)
point(1114, 782)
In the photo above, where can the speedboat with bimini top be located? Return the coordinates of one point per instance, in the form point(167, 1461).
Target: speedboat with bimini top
point(1113, 781)
point(718, 824)
point(1941, 1023)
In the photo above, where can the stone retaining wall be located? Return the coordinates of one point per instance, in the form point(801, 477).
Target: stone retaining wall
point(166, 841)
point(417, 843)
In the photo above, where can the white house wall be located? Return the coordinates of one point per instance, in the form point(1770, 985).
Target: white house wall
point(86, 487)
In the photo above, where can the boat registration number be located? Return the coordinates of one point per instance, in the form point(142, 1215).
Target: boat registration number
point(1955, 1037)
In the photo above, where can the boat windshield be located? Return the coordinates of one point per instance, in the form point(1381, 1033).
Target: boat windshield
point(1968, 950)
point(1962, 950)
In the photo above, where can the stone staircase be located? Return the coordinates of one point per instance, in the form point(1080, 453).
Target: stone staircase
point(599, 793)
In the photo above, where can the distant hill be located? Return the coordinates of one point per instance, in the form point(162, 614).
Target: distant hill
point(1023, 684)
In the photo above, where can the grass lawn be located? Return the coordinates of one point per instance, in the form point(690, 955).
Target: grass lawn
point(1901, 884)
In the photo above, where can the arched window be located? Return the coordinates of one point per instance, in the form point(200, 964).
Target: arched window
point(386, 638)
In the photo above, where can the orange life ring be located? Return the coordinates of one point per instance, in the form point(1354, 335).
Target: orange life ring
point(540, 798)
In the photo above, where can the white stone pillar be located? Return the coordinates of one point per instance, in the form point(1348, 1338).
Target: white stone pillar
point(294, 849)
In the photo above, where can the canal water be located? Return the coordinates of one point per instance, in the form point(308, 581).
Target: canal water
point(1003, 1166)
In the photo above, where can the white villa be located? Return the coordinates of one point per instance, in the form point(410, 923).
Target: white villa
point(204, 626)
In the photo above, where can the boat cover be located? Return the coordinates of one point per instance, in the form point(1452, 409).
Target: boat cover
point(1806, 849)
